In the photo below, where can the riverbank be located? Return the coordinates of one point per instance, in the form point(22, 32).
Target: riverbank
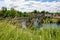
point(9, 31)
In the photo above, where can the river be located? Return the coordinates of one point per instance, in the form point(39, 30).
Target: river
point(39, 25)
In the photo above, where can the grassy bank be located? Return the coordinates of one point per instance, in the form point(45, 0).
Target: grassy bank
point(9, 31)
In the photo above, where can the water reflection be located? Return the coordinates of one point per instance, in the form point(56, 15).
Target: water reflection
point(23, 24)
point(48, 25)
point(38, 25)
point(35, 23)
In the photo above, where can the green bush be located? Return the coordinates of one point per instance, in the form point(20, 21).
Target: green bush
point(12, 32)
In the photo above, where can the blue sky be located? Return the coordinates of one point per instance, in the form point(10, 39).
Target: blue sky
point(30, 5)
point(45, 0)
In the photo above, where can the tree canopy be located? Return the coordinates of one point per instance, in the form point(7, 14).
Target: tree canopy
point(4, 12)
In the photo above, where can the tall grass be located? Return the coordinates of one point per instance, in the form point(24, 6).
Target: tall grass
point(12, 32)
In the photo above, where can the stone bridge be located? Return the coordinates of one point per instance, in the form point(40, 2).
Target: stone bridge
point(32, 18)
point(29, 21)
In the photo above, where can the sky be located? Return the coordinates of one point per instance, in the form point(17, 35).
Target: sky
point(30, 5)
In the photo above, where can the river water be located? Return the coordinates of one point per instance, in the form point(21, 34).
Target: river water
point(39, 25)
point(50, 25)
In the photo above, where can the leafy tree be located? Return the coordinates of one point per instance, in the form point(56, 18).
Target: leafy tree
point(12, 12)
point(19, 14)
point(8, 13)
point(35, 11)
point(3, 12)
point(3, 9)
point(47, 12)
point(43, 12)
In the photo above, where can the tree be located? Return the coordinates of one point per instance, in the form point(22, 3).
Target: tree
point(19, 14)
point(3, 12)
point(8, 13)
point(3, 9)
point(47, 12)
point(43, 12)
point(35, 11)
point(12, 12)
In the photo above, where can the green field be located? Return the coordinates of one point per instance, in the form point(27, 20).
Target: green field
point(9, 31)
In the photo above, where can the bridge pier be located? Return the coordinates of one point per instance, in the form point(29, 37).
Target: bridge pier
point(30, 21)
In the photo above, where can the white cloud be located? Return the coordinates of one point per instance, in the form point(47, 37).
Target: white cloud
point(23, 5)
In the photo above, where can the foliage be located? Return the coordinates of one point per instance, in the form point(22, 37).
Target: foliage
point(11, 32)
point(12, 13)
